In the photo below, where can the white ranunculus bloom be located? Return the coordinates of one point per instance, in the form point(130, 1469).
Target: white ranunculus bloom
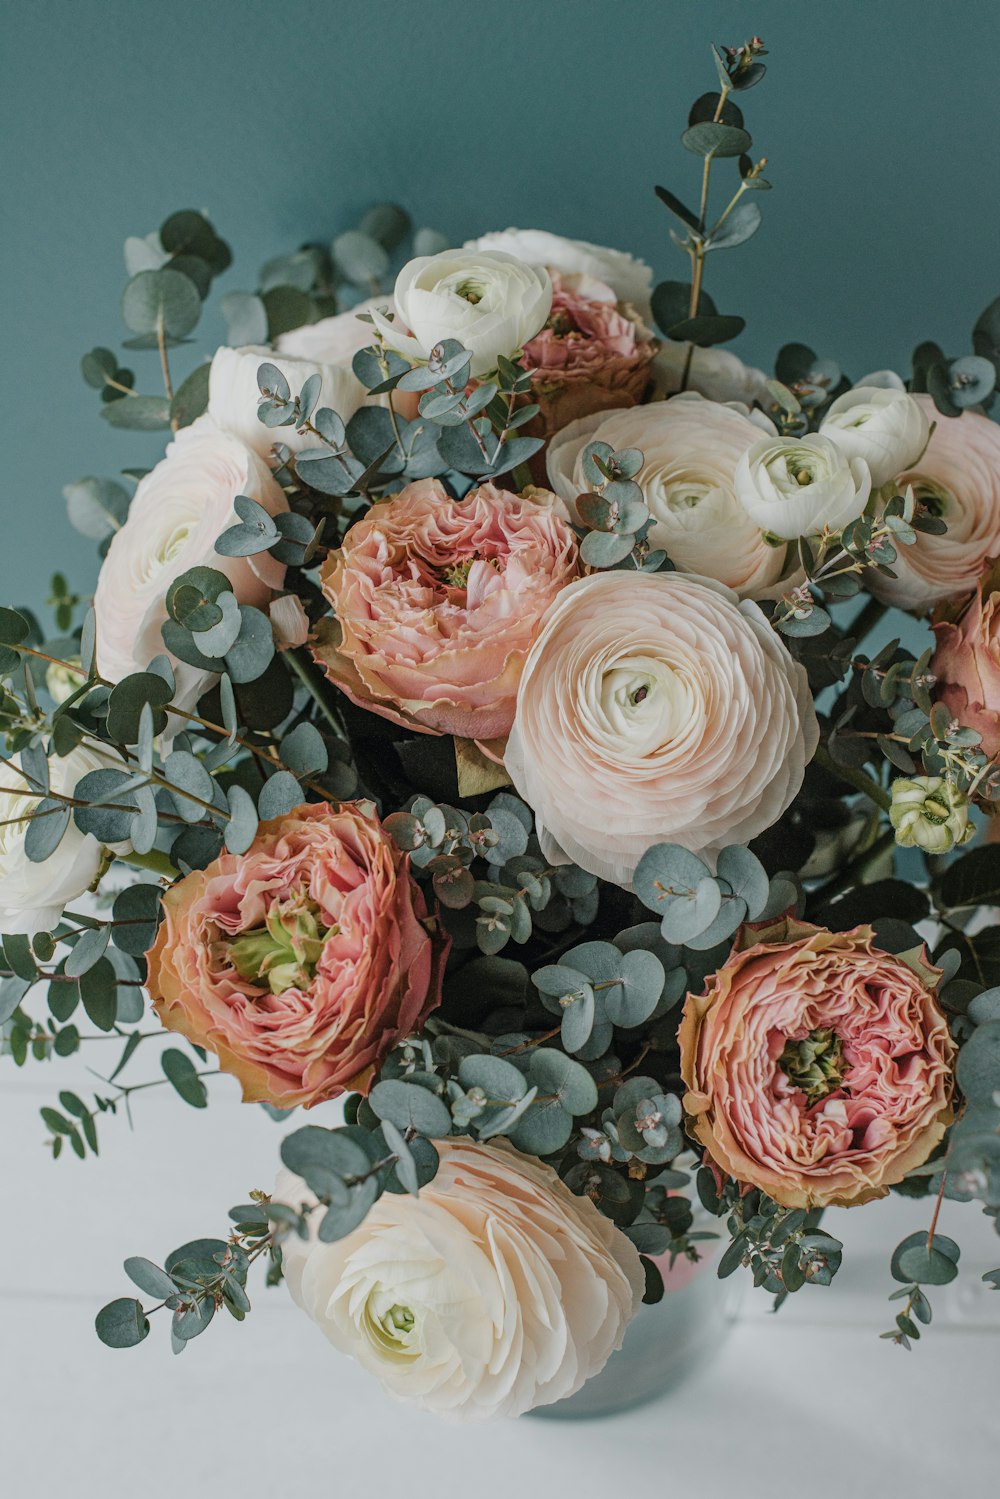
point(690, 449)
point(32, 896)
point(179, 511)
point(494, 1291)
point(714, 373)
point(653, 708)
point(884, 426)
point(797, 486)
point(490, 302)
point(234, 395)
point(630, 279)
point(333, 340)
point(884, 379)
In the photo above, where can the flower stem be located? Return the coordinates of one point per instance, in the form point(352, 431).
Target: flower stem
point(859, 779)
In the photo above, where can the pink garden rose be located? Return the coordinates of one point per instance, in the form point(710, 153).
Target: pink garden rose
point(437, 602)
point(655, 707)
point(302, 962)
point(958, 478)
point(818, 1068)
point(967, 667)
point(592, 355)
point(179, 511)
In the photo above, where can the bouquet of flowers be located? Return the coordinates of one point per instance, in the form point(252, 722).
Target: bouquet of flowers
point(473, 723)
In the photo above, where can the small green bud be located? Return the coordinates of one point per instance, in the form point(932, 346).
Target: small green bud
point(928, 812)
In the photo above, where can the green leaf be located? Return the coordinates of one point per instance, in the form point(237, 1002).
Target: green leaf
point(406, 1166)
point(155, 299)
point(127, 701)
point(671, 303)
point(96, 507)
point(341, 1219)
point(706, 331)
point(191, 397)
point(246, 318)
point(122, 1323)
point(138, 413)
point(570, 1083)
point(739, 225)
point(387, 223)
point(409, 1106)
point(746, 875)
point(87, 950)
point(241, 829)
point(99, 993)
point(360, 258)
point(978, 1069)
point(280, 794)
point(49, 822)
point(252, 652)
point(149, 1277)
point(716, 140)
point(304, 750)
point(181, 1072)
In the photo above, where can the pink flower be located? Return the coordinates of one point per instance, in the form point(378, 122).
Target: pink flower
point(958, 479)
point(303, 961)
point(818, 1068)
point(438, 602)
point(592, 355)
point(967, 667)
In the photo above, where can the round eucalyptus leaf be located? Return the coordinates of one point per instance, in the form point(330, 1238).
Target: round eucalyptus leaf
point(501, 1081)
point(360, 258)
point(558, 1075)
point(732, 912)
point(331, 1150)
point(605, 548)
point(280, 794)
point(49, 821)
point(578, 1019)
point(687, 916)
point(161, 299)
point(149, 1277)
point(304, 750)
point(387, 223)
point(928, 1267)
point(746, 875)
point(122, 1323)
point(543, 1129)
point(408, 1106)
point(253, 650)
point(708, 139)
point(978, 1068)
point(632, 1002)
point(89, 947)
point(339, 1220)
point(971, 380)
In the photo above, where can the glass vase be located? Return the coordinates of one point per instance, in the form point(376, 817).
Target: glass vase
point(664, 1344)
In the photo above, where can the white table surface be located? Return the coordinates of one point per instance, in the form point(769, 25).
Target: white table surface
point(805, 1402)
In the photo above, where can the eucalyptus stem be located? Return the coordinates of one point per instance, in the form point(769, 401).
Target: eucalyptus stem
point(866, 620)
point(859, 779)
point(309, 678)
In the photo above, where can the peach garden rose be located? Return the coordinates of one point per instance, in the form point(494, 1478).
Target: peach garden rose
point(817, 1067)
point(590, 356)
point(437, 602)
point(654, 707)
point(967, 667)
point(494, 1291)
point(303, 961)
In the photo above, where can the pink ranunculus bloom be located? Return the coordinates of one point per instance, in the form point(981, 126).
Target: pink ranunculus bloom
point(438, 601)
point(593, 354)
point(818, 1068)
point(302, 962)
point(958, 479)
point(967, 667)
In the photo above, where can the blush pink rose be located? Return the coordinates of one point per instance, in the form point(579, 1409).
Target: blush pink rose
point(958, 478)
point(438, 601)
point(818, 1069)
point(967, 667)
point(302, 962)
point(592, 355)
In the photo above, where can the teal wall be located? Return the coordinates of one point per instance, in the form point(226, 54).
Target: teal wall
point(284, 119)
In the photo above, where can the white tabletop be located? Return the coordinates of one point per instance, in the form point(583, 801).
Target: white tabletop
point(808, 1401)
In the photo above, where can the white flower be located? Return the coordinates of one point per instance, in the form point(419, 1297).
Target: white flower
point(32, 896)
point(494, 1291)
point(180, 509)
point(491, 302)
point(654, 707)
point(928, 813)
point(714, 373)
point(333, 340)
point(234, 395)
point(630, 279)
point(690, 450)
point(63, 678)
point(884, 379)
point(797, 486)
point(884, 426)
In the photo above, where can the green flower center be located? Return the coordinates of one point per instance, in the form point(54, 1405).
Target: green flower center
point(470, 291)
point(815, 1064)
point(284, 952)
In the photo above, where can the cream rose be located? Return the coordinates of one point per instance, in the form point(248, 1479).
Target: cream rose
point(690, 449)
point(654, 707)
point(491, 302)
point(799, 486)
point(32, 896)
point(494, 1291)
point(714, 373)
point(233, 394)
point(180, 509)
point(958, 479)
point(630, 279)
point(887, 428)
